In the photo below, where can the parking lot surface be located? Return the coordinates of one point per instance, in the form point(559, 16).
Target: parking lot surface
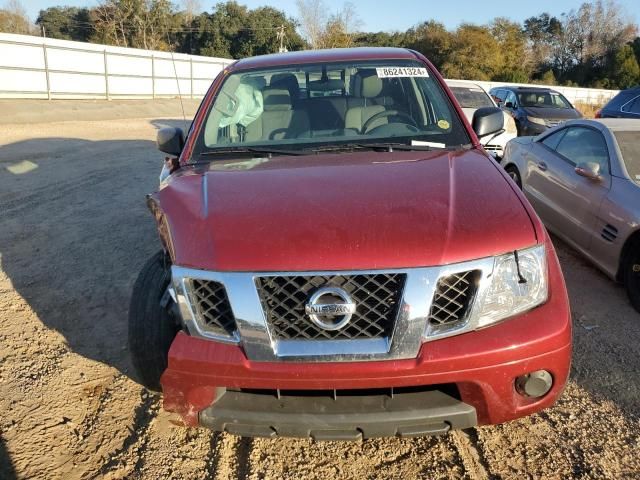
point(74, 232)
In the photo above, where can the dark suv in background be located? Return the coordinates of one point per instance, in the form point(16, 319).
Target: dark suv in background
point(534, 109)
point(625, 104)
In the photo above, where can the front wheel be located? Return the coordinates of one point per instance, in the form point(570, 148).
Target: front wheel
point(632, 276)
point(152, 328)
point(513, 172)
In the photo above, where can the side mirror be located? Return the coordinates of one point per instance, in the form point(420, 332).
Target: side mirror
point(590, 170)
point(487, 121)
point(509, 105)
point(170, 140)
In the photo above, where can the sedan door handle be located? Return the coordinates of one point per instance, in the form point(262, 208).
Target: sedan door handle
point(542, 166)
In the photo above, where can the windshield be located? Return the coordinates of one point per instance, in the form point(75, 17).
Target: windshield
point(472, 97)
point(543, 99)
point(629, 143)
point(310, 106)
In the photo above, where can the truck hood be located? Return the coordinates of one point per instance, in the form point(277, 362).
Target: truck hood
point(365, 210)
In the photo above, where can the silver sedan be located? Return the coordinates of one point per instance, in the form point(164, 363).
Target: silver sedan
point(583, 179)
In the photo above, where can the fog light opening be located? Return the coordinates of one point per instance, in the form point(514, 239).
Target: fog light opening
point(535, 384)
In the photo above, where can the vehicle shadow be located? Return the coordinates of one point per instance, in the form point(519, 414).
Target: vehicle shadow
point(605, 332)
point(7, 472)
point(75, 232)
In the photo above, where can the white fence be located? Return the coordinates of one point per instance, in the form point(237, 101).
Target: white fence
point(34, 67)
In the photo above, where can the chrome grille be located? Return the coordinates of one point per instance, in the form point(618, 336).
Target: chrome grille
point(453, 298)
point(376, 296)
point(212, 306)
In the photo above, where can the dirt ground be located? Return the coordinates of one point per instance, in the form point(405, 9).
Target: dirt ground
point(74, 232)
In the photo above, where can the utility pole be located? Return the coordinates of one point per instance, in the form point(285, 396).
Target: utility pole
point(44, 34)
point(281, 36)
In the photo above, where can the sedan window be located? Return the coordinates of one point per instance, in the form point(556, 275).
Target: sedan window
point(552, 140)
point(543, 100)
point(632, 107)
point(629, 143)
point(581, 145)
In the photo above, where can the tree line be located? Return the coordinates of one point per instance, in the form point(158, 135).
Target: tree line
point(595, 45)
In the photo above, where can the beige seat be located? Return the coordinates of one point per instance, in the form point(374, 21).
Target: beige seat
point(279, 120)
point(366, 87)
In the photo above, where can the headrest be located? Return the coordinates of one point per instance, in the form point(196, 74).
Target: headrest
point(367, 84)
point(275, 98)
point(288, 81)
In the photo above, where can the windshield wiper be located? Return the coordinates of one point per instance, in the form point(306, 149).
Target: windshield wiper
point(374, 146)
point(257, 150)
point(408, 147)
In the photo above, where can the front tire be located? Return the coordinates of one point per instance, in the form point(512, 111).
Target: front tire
point(632, 275)
point(513, 172)
point(152, 328)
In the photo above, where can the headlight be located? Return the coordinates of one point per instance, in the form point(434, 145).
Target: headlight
point(514, 287)
point(539, 121)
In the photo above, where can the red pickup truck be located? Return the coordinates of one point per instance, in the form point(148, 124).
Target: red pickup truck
point(342, 260)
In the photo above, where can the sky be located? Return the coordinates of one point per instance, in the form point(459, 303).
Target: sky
point(392, 15)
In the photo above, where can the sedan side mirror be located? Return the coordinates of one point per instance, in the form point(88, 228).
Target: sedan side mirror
point(170, 140)
point(509, 105)
point(487, 121)
point(590, 170)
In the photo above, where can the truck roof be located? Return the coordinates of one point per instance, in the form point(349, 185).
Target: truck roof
point(321, 56)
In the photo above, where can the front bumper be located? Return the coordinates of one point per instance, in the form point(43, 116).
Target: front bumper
point(464, 380)
point(346, 417)
point(482, 365)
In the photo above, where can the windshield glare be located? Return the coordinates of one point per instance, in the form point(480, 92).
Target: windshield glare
point(309, 106)
point(629, 143)
point(472, 97)
point(543, 99)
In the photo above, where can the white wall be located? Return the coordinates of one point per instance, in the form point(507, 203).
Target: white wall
point(86, 70)
point(34, 67)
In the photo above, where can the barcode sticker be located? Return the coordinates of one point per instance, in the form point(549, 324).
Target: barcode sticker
point(393, 72)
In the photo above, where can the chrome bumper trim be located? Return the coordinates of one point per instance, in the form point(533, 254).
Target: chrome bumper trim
point(410, 331)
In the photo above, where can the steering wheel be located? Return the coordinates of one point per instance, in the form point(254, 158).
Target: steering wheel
point(388, 113)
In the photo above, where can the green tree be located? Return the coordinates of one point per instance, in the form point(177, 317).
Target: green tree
point(625, 71)
point(234, 31)
point(432, 39)
point(636, 48)
point(380, 39)
point(134, 23)
point(516, 65)
point(66, 23)
point(475, 54)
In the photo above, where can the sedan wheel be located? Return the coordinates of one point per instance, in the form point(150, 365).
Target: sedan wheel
point(513, 172)
point(632, 280)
